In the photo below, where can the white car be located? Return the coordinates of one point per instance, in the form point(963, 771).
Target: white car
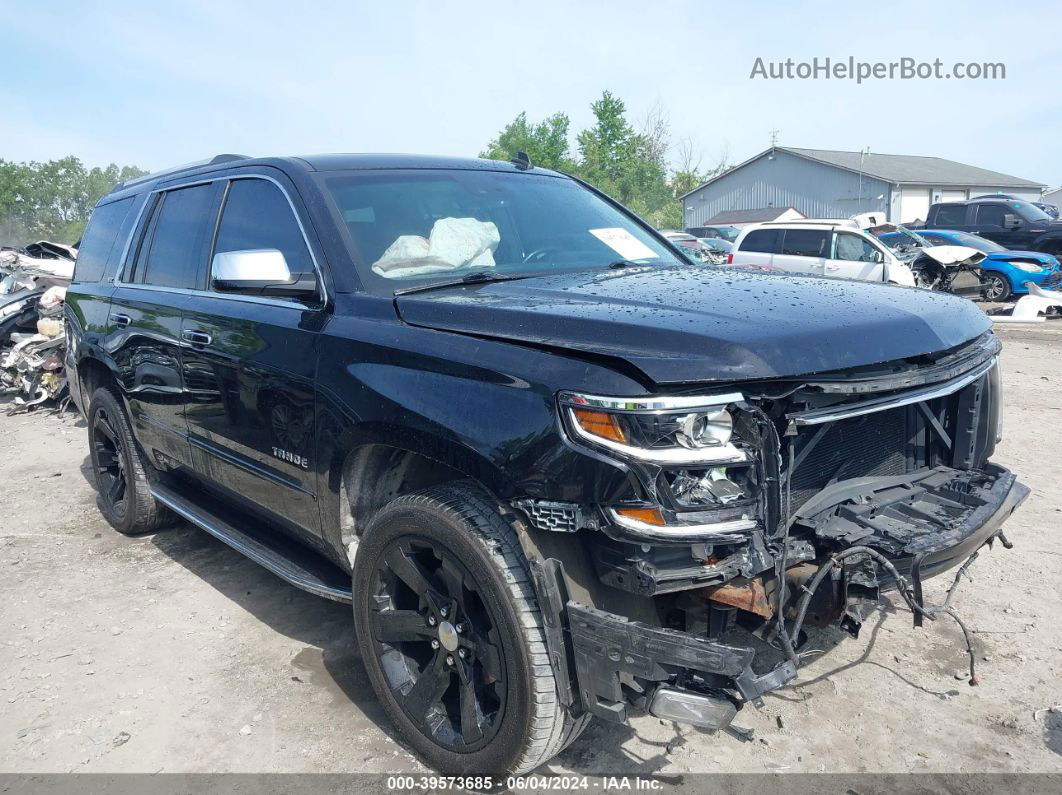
point(838, 248)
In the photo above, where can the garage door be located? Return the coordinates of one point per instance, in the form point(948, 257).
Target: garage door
point(953, 196)
point(914, 204)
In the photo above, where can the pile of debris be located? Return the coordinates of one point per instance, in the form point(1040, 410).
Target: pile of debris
point(33, 282)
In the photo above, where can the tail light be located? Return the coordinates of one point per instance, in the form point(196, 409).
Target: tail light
point(730, 259)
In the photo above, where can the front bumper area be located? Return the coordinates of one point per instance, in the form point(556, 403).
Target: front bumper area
point(620, 664)
point(607, 645)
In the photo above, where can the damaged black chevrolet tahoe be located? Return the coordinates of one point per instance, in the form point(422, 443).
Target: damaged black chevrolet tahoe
point(558, 470)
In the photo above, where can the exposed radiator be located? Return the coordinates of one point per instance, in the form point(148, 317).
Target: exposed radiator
point(871, 445)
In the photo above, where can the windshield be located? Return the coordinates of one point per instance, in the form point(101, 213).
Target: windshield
point(426, 226)
point(972, 241)
point(1030, 212)
point(716, 244)
point(903, 238)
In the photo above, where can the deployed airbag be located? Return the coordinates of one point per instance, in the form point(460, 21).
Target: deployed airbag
point(454, 243)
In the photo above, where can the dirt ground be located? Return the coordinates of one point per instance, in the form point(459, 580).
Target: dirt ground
point(173, 653)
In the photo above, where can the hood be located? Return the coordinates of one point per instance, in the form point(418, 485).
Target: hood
point(953, 255)
point(682, 325)
point(1023, 256)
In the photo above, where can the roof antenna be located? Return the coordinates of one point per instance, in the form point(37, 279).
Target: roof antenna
point(522, 161)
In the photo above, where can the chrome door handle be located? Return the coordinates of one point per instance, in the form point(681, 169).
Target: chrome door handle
point(196, 337)
point(121, 320)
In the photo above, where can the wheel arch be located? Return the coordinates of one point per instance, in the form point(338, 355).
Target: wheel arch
point(377, 470)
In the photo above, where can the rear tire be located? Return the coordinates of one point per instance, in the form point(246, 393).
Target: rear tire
point(118, 470)
point(451, 635)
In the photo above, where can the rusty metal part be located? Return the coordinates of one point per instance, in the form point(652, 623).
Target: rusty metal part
point(743, 594)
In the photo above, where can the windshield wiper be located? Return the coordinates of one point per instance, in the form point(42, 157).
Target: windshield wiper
point(625, 263)
point(478, 277)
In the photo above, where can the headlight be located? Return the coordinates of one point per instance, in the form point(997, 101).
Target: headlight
point(663, 430)
point(1028, 267)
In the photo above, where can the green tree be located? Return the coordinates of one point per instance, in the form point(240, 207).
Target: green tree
point(546, 142)
point(52, 200)
point(630, 164)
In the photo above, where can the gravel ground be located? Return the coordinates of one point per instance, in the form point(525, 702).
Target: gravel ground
point(173, 653)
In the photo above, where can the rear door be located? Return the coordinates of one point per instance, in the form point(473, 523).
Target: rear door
point(803, 251)
point(146, 311)
point(88, 301)
point(855, 257)
point(758, 247)
point(950, 216)
point(249, 366)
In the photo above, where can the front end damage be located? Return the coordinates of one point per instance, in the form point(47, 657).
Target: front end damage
point(825, 493)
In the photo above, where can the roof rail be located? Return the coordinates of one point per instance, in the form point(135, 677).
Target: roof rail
point(166, 172)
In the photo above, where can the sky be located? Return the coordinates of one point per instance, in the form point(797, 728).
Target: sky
point(155, 85)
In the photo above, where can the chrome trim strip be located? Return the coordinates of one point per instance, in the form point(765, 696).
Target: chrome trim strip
point(676, 532)
point(723, 454)
point(220, 532)
point(248, 298)
point(832, 413)
point(247, 466)
point(129, 239)
point(651, 402)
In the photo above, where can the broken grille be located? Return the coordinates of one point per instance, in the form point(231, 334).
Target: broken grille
point(873, 445)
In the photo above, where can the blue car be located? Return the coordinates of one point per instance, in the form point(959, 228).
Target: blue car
point(1007, 272)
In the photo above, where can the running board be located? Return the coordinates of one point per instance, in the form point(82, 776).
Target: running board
point(291, 562)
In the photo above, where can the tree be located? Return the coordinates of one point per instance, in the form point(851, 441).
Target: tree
point(631, 165)
point(52, 200)
point(546, 143)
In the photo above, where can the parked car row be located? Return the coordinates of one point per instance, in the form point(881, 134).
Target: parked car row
point(1007, 272)
point(868, 249)
point(1013, 223)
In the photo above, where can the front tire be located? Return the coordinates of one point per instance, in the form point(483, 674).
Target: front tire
point(451, 635)
point(998, 288)
point(118, 469)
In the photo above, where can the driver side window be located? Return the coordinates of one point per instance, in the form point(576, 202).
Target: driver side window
point(853, 248)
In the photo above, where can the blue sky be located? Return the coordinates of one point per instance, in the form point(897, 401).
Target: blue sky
point(159, 85)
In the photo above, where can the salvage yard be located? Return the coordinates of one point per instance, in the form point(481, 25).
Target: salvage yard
point(174, 653)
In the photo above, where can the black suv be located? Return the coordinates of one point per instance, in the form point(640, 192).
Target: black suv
point(559, 470)
point(1013, 223)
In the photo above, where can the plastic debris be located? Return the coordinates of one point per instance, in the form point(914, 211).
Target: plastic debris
point(1028, 307)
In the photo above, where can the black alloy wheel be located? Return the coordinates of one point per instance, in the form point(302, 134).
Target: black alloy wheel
point(452, 637)
point(437, 644)
point(119, 469)
point(108, 459)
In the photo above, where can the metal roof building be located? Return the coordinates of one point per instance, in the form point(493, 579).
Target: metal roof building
point(822, 183)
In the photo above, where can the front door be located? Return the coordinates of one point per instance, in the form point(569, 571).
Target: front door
point(855, 257)
point(249, 367)
point(990, 221)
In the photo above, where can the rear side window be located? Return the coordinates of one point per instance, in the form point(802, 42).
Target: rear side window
point(100, 236)
point(257, 215)
point(951, 215)
point(806, 242)
point(177, 240)
point(765, 241)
